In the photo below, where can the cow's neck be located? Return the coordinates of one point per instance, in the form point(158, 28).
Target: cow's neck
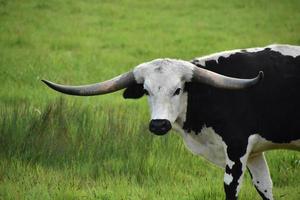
point(199, 109)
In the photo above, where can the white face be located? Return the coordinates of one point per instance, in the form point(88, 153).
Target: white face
point(163, 81)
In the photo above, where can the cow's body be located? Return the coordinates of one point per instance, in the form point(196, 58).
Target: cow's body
point(230, 127)
point(229, 121)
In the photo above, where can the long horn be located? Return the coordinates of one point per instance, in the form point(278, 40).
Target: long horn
point(225, 82)
point(112, 85)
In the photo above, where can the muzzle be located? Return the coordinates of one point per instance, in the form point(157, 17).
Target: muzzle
point(160, 126)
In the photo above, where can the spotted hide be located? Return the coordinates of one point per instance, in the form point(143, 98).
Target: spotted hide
point(246, 122)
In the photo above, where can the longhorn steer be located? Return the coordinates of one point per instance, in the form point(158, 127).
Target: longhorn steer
point(229, 121)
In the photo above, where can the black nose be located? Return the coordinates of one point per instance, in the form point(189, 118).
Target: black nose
point(160, 126)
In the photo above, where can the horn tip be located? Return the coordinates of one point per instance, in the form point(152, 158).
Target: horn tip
point(261, 75)
point(49, 84)
point(46, 82)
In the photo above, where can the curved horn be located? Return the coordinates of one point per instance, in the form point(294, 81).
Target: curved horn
point(225, 82)
point(112, 85)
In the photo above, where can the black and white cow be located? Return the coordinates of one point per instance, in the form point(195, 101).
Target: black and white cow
point(229, 121)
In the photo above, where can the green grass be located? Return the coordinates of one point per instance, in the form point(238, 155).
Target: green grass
point(60, 147)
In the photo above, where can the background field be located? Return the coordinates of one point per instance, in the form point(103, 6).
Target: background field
point(60, 147)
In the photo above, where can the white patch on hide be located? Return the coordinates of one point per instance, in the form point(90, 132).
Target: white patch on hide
point(260, 174)
point(229, 162)
point(284, 49)
point(207, 143)
point(227, 178)
point(261, 144)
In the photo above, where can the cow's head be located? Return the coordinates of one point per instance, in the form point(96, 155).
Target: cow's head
point(163, 81)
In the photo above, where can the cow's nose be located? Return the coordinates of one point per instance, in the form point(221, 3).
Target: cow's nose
point(160, 126)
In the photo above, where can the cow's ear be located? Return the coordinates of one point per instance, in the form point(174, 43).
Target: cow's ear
point(134, 91)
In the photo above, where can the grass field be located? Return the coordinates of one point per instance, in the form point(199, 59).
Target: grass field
point(60, 147)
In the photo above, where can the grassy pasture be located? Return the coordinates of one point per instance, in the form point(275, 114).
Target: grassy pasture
point(60, 147)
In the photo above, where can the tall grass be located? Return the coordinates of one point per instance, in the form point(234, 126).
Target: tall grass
point(89, 142)
point(68, 150)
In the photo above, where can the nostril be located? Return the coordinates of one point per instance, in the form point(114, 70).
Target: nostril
point(158, 123)
point(164, 122)
point(151, 127)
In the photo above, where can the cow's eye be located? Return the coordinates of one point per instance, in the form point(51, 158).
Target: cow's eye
point(177, 92)
point(146, 92)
